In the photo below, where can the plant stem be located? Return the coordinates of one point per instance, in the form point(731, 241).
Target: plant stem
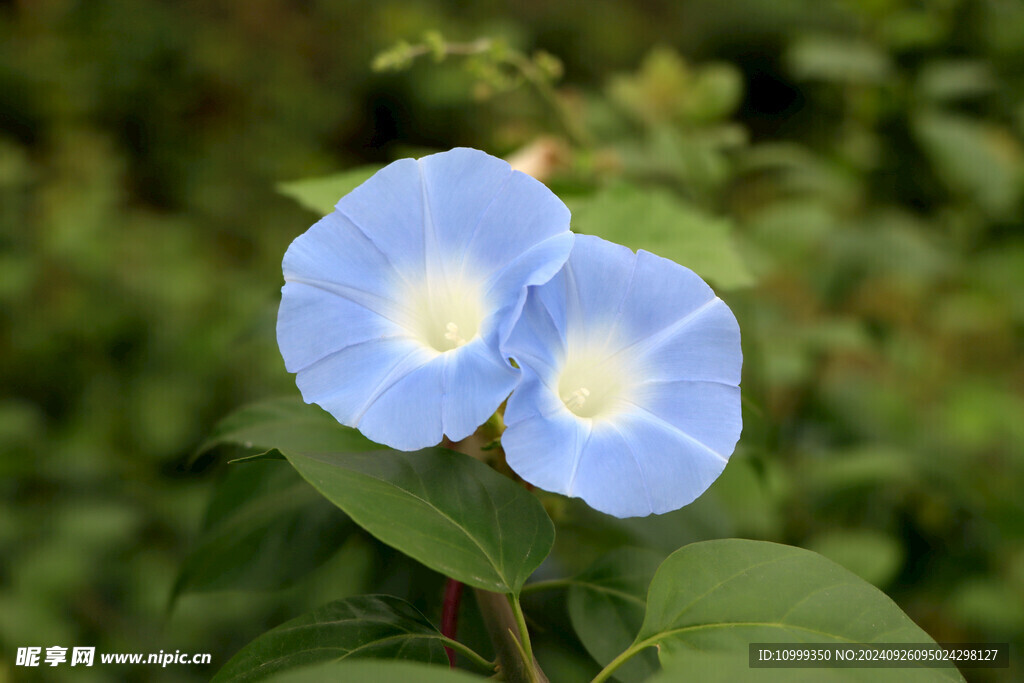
point(502, 626)
point(470, 654)
point(606, 672)
point(527, 69)
point(576, 133)
point(524, 633)
point(450, 615)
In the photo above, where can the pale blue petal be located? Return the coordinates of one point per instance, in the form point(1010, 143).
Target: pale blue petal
point(348, 382)
point(522, 215)
point(360, 282)
point(704, 347)
point(677, 469)
point(475, 384)
point(536, 341)
point(407, 415)
point(507, 288)
point(388, 209)
point(597, 276)
point(547, 441)
point(461, 185)
point(662, 294)
point(552, 297)
point(313, 323)
point(611, 475)
point(531, 398)
point(679, 416)
point(706, 412)
point(334, 254)
point(535, 267)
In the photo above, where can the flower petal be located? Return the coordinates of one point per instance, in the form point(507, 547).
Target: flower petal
point(395, 305)
point(408, 414)
point(347, 382)
point(597, 276)
point(475, 384)
point(524, 214)
point(335, 255)
point(663, 294)
point(535, 266)
point(547, 441)
point(705, 347)
point(313, 323)
point(648, 360)
point(536, 338)
point(461, 185)
point(388, 209)
point(707, 413)
point(611, 477)
point(672, 469)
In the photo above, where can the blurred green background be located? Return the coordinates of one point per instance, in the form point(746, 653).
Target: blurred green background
point(849, 175)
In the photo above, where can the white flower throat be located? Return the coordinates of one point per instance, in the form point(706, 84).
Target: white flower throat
point(445, 314)
point(593, 385)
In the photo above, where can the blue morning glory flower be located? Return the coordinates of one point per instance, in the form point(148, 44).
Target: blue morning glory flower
point(394, 304)
point(630, 393)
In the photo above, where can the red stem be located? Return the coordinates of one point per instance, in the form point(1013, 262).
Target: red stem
point(450, 614)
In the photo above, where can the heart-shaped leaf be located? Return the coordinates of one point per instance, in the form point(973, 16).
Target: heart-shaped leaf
point(286, 424)
point(606, 605)
point(447, 510)
point(321, 194)
point(368, 626)
point(709, 601)
point(265, 528)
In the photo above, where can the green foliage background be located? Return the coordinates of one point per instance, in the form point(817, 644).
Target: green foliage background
point(857, 165)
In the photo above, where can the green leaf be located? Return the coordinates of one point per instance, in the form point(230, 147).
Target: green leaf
point(747, 497)
point(874, 556)
point(321, 194)
point(286, 424)
point(656, 220)
point(265, 528)
point(367, 626)
point(273, 454)
point(606, 606)
point(829, 58)
point(867, 466)
point(988, 603)
point(446, 510)
point(709, 600)
point(953, 79)
point(375, 671)
point(981, 161)
point(585, 535)
point(717, 91)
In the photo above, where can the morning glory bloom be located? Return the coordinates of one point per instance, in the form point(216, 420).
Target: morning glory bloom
point(630, 393)
point(394, 304)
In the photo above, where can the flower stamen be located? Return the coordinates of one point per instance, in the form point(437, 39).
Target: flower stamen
point(452, 334)
point(576, 399)
point(446, 314)
point(593, 385)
